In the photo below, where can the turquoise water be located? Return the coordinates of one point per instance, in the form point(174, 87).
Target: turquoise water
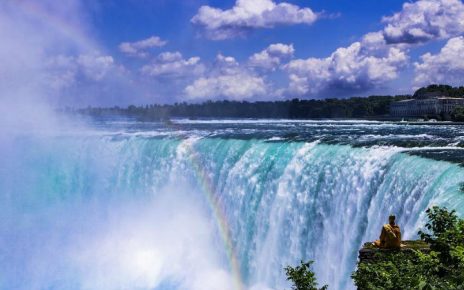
point(122, 205)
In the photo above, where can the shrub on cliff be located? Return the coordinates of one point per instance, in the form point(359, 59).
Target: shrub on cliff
point(303, 277)
point(445, 234)
point(441, 268)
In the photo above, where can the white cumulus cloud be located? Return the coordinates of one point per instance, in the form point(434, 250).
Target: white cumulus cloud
point(139, 48)
point(173, 64)
point(64, 71)
point(235, 87)
point(379, 56)
point(226, 80)
point(421, 21)
point(272, 57)
point(447, 66)
point(351, 68)
point(246, 15)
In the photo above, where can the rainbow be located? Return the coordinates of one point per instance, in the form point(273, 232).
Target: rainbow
point(214, 202)
point(219, 215)
point(37, 12)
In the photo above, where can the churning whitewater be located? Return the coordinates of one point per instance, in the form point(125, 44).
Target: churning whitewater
point(213, 205)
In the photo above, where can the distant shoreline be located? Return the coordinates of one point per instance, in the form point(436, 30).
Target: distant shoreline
point(376, 108)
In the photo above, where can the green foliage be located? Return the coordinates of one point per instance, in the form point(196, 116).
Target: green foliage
point(458, 114)
point(445, 234)
point(393, 270)
point(440, 268)
point(302, 277)
point(441, 232)
point(445, 90)
point(355, 107)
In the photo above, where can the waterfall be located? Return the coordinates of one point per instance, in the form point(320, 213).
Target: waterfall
point(131, 212)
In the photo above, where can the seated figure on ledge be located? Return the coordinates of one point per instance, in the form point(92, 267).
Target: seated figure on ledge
point(390, 237)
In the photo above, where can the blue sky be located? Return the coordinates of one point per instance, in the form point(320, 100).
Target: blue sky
point(83, 52)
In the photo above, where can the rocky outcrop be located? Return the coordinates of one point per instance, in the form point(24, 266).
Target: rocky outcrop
point(369, 253)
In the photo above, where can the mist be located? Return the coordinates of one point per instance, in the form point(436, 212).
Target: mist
point(104, 244)
point(48, 59)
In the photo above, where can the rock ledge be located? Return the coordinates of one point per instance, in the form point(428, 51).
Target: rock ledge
point(368, 252)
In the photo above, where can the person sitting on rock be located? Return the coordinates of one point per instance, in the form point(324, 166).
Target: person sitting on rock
point(390, 237)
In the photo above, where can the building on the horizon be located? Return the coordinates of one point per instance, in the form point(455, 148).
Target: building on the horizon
point(429, 104)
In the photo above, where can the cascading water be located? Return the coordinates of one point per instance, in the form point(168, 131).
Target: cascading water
point(196, 211)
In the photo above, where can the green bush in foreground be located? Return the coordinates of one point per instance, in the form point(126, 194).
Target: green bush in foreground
point(441, 268)
point(302, 277)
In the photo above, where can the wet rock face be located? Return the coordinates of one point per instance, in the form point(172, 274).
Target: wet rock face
point(369, 253)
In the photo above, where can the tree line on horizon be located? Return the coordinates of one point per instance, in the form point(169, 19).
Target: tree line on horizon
point(355, 107)
point(289, 109)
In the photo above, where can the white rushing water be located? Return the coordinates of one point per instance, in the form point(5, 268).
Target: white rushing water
point(115, 211)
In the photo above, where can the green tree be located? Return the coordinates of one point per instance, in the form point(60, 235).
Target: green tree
point(303, 277)
point(458, 114)
point(445, 234)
